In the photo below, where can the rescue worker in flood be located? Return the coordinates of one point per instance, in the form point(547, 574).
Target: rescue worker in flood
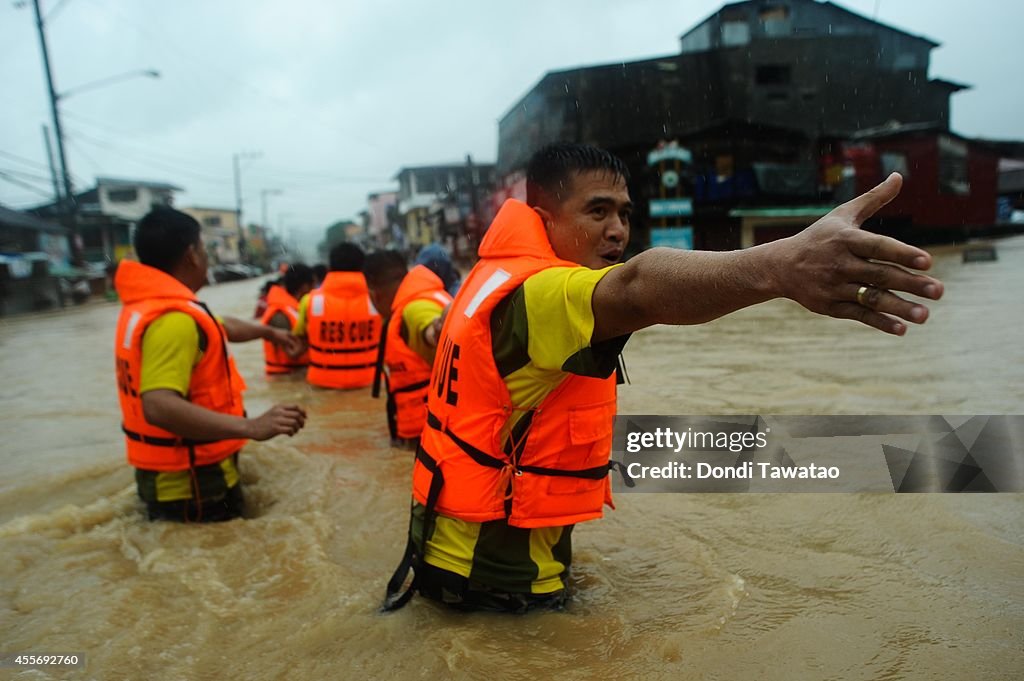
point(179, 390)
point(340, 325)
point(283, 313)
point(523, 392)
point(412, 302)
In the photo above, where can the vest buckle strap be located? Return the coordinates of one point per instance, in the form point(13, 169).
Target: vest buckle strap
point(484, 459)
point(163, 441)
point(412, 387)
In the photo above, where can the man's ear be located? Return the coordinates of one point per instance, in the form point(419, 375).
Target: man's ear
point(194, 254)
point(546, 217)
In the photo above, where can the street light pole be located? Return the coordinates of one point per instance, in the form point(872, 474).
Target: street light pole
point(67, 205)
point(237, 159)
point(148, 73)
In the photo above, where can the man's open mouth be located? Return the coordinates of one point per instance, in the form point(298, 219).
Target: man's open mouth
point(611, 257)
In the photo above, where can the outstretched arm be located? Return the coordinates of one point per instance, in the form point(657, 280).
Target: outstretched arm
point(833, 268)
point(169, 410)
point(241, 330)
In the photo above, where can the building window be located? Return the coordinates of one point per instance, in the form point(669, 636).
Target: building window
point(894, 162)
point(775, 20)
point(735, 33)
point(427, 184)
point(211, 221)
point(953, 167)
point(122, 195)
point(907, 61)
point(774, 13)
point(773, 74)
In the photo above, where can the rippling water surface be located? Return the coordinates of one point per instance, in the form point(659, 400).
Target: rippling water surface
point(784, 586)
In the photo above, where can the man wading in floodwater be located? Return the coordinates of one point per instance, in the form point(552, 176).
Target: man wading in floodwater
point(180, 393)
point(522, 396)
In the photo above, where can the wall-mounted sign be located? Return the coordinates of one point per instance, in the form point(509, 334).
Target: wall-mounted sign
point(669, 152)
point(672, 237)
point(661, 208)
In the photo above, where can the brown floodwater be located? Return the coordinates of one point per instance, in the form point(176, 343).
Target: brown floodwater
point(669, 586)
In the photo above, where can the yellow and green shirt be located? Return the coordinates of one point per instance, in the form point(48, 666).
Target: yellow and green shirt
point(171, 347)
point(417, 317)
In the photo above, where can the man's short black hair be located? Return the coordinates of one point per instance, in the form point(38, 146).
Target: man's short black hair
point(549, 170)
point(319, 272)
point(297, 276)
point(383, 267)
point(162, 237)
point(346, 257)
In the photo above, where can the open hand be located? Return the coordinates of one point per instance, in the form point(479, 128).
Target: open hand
point(837, 269)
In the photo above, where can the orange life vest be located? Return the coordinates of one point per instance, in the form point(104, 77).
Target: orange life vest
point(215, 384)
point(553, 471)
point(408, 373)
point(343, 330)
point(276, 360)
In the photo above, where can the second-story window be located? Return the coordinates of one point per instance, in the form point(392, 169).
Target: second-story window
point(122, 195)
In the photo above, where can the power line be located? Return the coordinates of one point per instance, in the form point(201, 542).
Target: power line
point(104, 138)
point(274, 174)
point(25, 185)
point(55, 11)
point(27, 176)
point(78, 147)
point(24, 160)
point(136, 156)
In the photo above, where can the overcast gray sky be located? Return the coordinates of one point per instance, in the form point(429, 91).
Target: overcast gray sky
point(337, 95)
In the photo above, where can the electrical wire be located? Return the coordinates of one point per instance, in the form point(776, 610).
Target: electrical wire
point(25, 185)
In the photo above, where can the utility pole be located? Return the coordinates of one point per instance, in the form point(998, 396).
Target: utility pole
point(58, 198)
point(67, 206)
point(237, 161)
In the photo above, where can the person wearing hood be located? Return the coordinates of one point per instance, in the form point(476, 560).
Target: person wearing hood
point(435, 258)
point(179, 390)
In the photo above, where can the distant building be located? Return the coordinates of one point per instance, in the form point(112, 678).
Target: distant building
point(764, 98)
point(382, 220)
point(108, 212)
point(445, 203)
point(949, 182)
point(31, 249)
point(220, 233)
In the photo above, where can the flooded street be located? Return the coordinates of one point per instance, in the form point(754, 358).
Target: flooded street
point(703, 586)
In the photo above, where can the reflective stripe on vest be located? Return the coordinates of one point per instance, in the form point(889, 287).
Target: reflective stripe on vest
point(343, 330)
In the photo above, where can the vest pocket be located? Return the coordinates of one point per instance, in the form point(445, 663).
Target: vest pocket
point(590, 431)
point(591, 423)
